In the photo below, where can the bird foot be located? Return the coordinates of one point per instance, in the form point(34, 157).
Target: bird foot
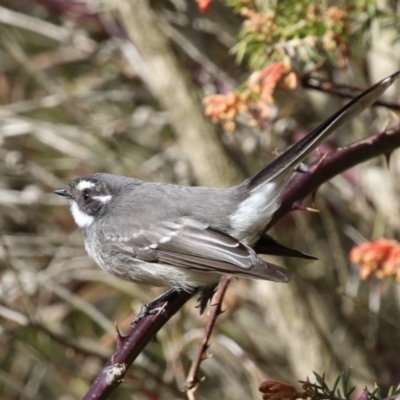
point(153, 308)
point(146, 310)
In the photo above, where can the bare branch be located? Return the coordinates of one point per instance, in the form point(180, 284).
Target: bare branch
point(193, 380)
point(344, 91)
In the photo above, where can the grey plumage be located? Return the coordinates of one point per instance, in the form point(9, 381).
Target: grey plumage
point(185, 237)
point(164, 225)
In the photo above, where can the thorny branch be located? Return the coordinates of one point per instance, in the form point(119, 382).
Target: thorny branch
point(193, 380)
point(130, 346)
point(344, 91)
point(303, 184)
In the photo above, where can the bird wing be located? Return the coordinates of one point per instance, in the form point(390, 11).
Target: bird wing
point(188, 243)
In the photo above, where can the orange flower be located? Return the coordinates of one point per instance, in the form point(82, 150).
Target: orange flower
point(255, 101)
point(263, 82)
point(225, 107)
point(391, 266)
point(381, 257)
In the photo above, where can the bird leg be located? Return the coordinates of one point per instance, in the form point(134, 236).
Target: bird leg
point(152, 307)
point(205, 296)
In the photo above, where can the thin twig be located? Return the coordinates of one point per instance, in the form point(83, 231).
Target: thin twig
point(344, 91)
point(78, 303)
point(36, 25)
point(193, 380)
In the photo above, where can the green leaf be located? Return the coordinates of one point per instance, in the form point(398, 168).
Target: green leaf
point(345, 381)
point(336, 384)
point(320, 379)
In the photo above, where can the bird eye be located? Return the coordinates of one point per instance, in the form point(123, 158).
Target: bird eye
point(86, 194)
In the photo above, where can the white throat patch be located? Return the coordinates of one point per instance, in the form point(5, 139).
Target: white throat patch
point(81, 218)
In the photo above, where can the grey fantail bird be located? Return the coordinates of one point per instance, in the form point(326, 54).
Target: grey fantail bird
point(187, 237)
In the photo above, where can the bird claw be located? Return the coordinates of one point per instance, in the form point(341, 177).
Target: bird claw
point(205, 296)
point(146, 310)
point(153, 308)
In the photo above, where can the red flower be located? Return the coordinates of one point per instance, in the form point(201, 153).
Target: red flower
point(204, 5)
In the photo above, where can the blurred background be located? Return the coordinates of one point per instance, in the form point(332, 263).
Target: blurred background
point(89, 86)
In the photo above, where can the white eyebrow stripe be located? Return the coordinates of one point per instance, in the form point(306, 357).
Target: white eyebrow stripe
point(85, 185)
point(81, 218)
point(104, 199)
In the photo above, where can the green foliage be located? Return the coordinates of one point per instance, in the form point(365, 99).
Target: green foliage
point(341, 389)
point(320, 389)
point(303, 32)
point(377, 395)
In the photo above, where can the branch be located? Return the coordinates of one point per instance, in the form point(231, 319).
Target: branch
point(332, 164)
point(172, 86)
point(130, 346)
point(193, 380)
point(344, 91)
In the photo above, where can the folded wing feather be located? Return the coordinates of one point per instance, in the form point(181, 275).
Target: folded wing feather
point(187, 243)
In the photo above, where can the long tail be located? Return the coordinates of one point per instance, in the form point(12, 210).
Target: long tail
point(295, 154)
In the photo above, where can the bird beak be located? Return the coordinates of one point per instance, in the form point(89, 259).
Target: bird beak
point(63, 192)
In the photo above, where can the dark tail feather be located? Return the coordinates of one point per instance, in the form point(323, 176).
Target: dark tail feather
point(269, 246)
point(295, 154)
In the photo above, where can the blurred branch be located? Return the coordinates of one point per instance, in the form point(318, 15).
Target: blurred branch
point(194, 53)
point(202, 24)
point(344, 91)
point(32, 24)
point(23, 58)
point(68, 139)
point(172, 86)
point(44, 28)
point(80, 345)
point(78, 303)
point(55, 100)
point(14, 316)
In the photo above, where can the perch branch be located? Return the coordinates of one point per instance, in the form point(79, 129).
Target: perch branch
point(303, 184)
point(130, 346)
